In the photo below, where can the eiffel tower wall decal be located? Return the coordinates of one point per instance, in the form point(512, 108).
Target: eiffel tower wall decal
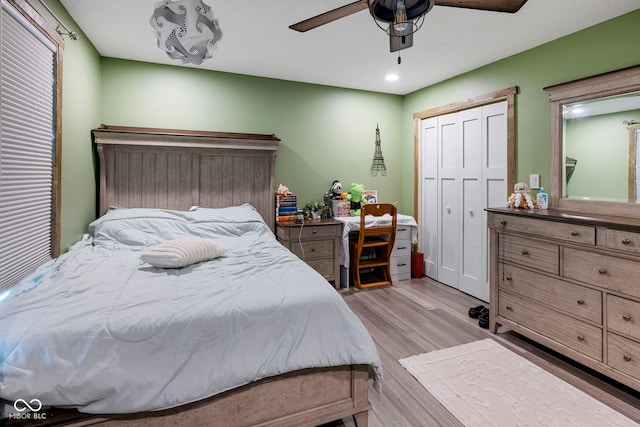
point(378, 159)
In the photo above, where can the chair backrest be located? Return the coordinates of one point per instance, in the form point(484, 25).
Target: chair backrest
point(378, 210)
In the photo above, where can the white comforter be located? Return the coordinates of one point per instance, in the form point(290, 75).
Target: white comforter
point(101, 331)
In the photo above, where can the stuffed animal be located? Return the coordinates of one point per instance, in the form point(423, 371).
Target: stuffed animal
point(520, 198)
point(336, 189)
point(355, 196)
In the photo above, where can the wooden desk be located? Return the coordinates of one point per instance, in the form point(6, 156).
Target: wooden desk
point(316, 242)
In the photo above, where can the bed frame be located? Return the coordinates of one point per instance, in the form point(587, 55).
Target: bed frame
point(160, 168)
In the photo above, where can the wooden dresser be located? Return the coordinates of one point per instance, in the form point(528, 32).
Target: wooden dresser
point(570, 282)
point(316, 242)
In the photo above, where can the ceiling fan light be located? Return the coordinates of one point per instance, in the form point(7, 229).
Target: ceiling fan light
point(186, 29)
point(400, 20)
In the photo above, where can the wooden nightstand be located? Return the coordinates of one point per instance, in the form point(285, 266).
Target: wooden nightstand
point(316, 242)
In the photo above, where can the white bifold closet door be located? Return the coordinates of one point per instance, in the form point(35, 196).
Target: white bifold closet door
point(463, 170)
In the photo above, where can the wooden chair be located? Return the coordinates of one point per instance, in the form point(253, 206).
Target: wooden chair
point(371, 251)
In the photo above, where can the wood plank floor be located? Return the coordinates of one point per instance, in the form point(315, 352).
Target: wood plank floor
point(421, 315)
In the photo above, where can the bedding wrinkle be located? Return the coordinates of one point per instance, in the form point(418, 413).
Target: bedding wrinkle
point(107, 333)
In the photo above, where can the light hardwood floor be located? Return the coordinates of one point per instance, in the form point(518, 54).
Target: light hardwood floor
point(421, 315)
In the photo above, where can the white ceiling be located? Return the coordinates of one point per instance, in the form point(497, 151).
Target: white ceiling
point(351, 52)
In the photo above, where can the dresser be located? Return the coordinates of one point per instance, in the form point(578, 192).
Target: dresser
point(570, 282)
point(401, 254)
point(316, 242)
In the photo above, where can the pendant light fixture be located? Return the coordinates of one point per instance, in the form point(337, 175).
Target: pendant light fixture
point(186, 29)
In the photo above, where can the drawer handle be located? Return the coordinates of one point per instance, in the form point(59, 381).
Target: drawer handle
point(402, 247)
point(574, 233)
point(508, 278)
point(580, 301)
point(313, 249)
point(509, 308)
point(525, 252)
point(626, 318)
point(580, 338)
point(626, 358)
point(503, 222)
point(314, 231)
point(402, 265)
point(602, 271)
point(626, 241)
point(402, 229)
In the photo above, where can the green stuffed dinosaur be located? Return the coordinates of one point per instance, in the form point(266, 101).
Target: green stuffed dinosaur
point(355, 196)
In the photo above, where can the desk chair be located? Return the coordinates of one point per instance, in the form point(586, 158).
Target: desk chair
point(371, 251)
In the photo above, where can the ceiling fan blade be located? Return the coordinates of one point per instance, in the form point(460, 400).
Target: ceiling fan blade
point(332, 15)
point(509, 6)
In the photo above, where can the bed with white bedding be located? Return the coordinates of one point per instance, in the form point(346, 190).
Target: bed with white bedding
point(251, 337)
point(114, 334)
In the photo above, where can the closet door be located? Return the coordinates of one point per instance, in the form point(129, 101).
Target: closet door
point(449, 154)
point(428, 194)
point(463, 161)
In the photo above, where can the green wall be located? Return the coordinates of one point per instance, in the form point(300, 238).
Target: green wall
point(605, 47)
point(326, 133)
point(81, 78)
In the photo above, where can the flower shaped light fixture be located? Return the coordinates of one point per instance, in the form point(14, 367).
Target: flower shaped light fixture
point(186, 29)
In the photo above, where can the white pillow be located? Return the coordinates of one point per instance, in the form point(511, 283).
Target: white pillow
point(182, 252)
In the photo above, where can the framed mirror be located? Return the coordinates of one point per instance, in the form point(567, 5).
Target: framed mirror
point(595, 132)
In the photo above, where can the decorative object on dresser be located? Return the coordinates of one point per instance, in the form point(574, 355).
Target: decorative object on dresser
point(316, 242)
point(371, 250)
point(568, 281)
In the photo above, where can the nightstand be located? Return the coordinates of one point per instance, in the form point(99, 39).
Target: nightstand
point(316, 242)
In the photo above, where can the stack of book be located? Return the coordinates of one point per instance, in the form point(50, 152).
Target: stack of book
point(286, 207)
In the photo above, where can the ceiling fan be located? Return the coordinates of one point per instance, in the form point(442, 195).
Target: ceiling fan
point(385, 10)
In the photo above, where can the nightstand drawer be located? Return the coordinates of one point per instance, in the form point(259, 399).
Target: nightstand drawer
point(313, 249)
point(323, 266)
point(403, 232)
point(308, 232)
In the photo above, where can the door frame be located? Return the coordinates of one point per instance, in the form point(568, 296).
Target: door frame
point(508, 94)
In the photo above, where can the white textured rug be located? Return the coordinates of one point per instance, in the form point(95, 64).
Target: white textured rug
point(485, 384)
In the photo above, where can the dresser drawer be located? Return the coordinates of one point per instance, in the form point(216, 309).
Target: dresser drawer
point(532, 253)
point(623, 355)
point(401, 248)
point(623, 241)
point(580, 336)
point(313, 249)
point(403, 232)
point(555, 230)
point(623, 316)
point(323, 266)
point(566, 297)
point(400, 265)
point(603, 270)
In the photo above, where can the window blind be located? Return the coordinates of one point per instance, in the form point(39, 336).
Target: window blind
point(27, 136)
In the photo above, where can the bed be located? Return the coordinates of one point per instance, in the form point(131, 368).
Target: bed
point(251, 337)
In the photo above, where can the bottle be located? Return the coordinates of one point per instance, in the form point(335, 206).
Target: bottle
point(541, 199)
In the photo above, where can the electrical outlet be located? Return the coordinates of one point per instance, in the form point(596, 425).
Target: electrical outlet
point(534, 180)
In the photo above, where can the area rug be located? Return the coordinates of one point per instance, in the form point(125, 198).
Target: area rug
point(485, 384)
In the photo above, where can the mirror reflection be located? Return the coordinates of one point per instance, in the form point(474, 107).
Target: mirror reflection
point(600, 143)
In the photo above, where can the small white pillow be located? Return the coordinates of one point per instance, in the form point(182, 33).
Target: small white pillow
point(182, 252)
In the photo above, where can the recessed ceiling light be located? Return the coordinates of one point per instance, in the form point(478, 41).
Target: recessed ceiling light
point(391, 77)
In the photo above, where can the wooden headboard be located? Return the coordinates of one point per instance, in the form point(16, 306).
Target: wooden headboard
point(177, 169)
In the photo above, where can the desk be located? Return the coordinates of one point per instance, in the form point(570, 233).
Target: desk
point(352, 224)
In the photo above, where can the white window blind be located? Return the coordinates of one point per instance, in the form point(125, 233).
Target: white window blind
point(27, 132)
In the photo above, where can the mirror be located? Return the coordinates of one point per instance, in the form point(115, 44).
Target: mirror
point(595, 127)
